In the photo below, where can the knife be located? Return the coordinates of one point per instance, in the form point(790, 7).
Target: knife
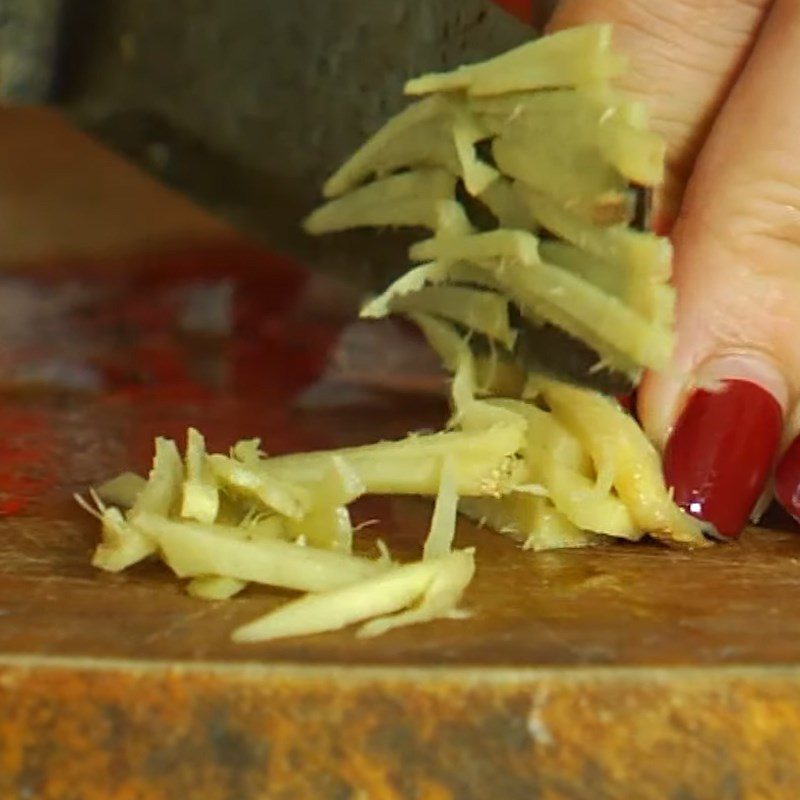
point(235, 130)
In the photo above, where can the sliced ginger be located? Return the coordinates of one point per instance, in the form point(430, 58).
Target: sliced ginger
point(560, 172)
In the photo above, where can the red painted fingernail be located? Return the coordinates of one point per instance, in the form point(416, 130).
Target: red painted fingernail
point(787, 479)
point(720, 453)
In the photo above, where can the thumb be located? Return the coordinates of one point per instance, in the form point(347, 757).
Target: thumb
point(718, 410)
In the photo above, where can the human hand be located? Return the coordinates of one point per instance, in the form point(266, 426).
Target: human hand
point(720, 78)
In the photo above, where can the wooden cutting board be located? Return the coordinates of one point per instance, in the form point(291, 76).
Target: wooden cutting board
point(628, 671)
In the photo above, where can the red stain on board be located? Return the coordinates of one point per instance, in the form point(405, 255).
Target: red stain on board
point(12, 505)
point(25, 457)
point(216, 337)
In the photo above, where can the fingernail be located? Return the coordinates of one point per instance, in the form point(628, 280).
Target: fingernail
point(787, 479)
point(720, 453)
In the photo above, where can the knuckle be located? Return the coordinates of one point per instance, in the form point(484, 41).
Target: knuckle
point(746, 267)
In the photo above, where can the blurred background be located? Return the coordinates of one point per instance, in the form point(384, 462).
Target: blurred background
point(244, 106)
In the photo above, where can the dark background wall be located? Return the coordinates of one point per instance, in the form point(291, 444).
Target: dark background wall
point(244, 104)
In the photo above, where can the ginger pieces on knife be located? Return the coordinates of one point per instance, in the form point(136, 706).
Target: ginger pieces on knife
point(530, 173)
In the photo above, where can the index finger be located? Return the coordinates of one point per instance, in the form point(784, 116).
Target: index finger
point(684, 57)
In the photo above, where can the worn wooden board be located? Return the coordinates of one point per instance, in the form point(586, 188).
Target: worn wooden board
point(626, 671)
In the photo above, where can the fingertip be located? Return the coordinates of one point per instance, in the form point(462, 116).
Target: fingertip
point(720, 432)
point(657, 402)
point(663, 395)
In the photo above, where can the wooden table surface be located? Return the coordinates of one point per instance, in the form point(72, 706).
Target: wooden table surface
point(627, 671)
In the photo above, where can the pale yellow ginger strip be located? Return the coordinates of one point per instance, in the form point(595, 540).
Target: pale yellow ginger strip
point(638, 154)
point(546, 432)
point(584, 183)
point(469, 413)
point(499, 376)
point(575, 497)
point(391, 591)
point(511, 515)
point(327, 526)
point(477, 310)
point(454, 353)
point(574, 112)
point(215, 587)
point(532, 520)
point(641, 252)
point(162, 493)
point(408, 283)
point(549, 141)
point(192, 549)
point(435, 132)
point(457, 358)
point(455, 569)
point(290, 500)
point(476, 174)
point(600, 122)
point(617, 106)
point(599, 421)
point(484, 460)
point(200, 492)
point(408, 199)
point(613, 279)
point(460, 272)
point(123, 543)
point(551, 529)
point(451, 219)
point(505, 202)
point(558, 461)
point(418, 135)
point(123, 490)
point(485, 312)
point(571, 57)
point(609, 325)
point(556, 294)
point(539, 308)
point(440, 601)
point(443, 523)
point(327, 523)
point(248, 451)
point(515, 246)
point(269, 527)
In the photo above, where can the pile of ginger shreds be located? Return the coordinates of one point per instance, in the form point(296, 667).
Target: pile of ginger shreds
point(547, 463)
